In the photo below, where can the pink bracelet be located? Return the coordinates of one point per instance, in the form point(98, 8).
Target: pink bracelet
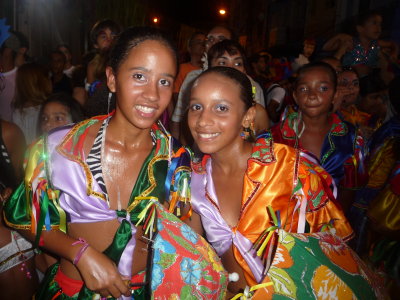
point(80, 252)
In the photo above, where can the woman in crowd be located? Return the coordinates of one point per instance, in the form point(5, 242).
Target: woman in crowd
point(120, 175)
point(32, 87)
point(59, 109)
point(322, 134)
point(239, 185)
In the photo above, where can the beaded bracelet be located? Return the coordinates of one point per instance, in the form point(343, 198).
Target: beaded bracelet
point(80, 252)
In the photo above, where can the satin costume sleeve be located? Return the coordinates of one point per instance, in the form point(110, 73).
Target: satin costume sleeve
point(35, 204)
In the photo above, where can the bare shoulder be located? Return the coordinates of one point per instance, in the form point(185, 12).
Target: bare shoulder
point(11, 133)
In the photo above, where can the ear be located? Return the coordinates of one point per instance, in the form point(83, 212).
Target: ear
point(249, 117)
point(110, 79)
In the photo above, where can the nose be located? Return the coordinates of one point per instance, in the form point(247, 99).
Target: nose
point(205, 118)
point(151, 92)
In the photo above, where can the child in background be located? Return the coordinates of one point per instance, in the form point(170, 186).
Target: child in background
point(59, 110)
point(363, 52)
point(348, 80)
point(321, 133)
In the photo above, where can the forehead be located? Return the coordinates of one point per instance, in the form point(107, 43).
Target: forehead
point(220, 31)
point(373, 19)
point(235, 55)
point(55, 107)
point(317, 73)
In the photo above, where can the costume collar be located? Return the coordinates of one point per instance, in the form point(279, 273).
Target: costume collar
point(338, 127)
point(262, 152)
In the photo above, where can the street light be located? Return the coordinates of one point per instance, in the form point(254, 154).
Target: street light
point(155, 20)
point(222, 11)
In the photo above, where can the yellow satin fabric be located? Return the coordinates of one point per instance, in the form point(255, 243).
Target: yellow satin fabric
point(384, 212)
point(380, 165)
point(272, 184)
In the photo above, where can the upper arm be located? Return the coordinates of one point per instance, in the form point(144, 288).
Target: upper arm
point(14, 141)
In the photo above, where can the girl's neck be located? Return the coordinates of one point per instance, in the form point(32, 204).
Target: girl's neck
point(127, 135)
point(318, 123)
point(233, 160)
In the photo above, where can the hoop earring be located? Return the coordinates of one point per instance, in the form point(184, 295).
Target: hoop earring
point(248, 133)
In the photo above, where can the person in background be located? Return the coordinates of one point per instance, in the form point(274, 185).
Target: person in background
point(61, 82)
point(18, 278)
point(315, 129)
point(348, 79)
point(59, 110)
point(33, 86)
point(69, 67)
point(363, 53)
point(12, 55)
point(215, 35)
point(304, 56)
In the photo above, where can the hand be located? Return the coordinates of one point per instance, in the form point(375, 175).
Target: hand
point(101, 275)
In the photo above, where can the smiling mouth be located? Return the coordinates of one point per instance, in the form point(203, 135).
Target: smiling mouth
point(208, 135)
point(145, 109)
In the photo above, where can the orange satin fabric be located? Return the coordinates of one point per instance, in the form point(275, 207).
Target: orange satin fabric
point(272, 184)
point(355, 116)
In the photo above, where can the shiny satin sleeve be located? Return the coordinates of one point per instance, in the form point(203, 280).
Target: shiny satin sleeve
point(33, 205)
point(322, 209)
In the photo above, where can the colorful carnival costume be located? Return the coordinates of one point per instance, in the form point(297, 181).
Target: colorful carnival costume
point(342, 154)
point(60, 187)
point(360, 56)
point(377, 197)
point(277, 176)
point(278, 264)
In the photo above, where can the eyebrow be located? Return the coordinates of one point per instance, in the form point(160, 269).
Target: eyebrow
point(147, 70)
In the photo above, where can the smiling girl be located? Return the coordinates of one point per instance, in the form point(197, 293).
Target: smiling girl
point(97, 192)
point(315, 129)
point(237, 180)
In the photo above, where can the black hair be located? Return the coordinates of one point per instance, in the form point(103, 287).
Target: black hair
point(69, 102)
point(230, 46)
point(314, 65)
point(246, 90)
point(394, 93)
point(134, 36)
point(363, 18)
point(371, 84)
point(102, 25)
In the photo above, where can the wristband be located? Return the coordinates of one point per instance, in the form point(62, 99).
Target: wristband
point(81, 251)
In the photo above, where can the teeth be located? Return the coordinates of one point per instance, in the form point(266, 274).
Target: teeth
point(145, 109)
point(208, 135)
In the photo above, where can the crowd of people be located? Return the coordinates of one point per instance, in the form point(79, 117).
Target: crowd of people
point(141, 175)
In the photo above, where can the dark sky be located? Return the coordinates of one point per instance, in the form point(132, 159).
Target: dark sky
point(200, 13)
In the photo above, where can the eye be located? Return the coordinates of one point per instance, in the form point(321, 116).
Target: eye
point(324, 88)
point(60, 119)
point(222, 108)
point(138, 77)
point(238, 64)
point(165, 82)
point(195, 107)
point(221, 63)
point(302, 89)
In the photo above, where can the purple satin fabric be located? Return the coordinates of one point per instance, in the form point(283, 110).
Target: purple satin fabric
point(68, 176)
point(218, 232)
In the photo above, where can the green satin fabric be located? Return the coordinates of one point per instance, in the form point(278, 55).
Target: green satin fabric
point(49, 288)
point(18, 210)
